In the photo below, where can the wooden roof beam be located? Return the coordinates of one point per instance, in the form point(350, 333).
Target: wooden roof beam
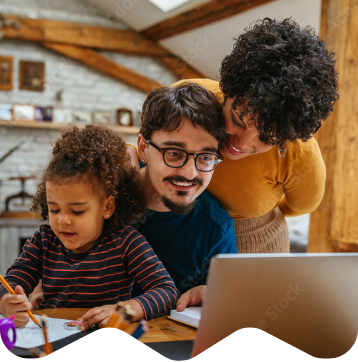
point(118, 40)
point(204, 14)
point(105, 66)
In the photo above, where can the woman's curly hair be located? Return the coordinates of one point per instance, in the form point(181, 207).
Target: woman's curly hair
point(99, 155)
point(287, 77)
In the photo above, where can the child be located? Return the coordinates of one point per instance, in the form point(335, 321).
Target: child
point(88, 256)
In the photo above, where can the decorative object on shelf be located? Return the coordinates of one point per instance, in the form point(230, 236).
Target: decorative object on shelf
point(105, 118)
point(48, 113)
point(6, 67)
point(39, 114)
point(23, 112)
point(124, 117)
point(22, 209)
point(5, 112)
point(32, 76)
point(61, 116)
point(81, 117)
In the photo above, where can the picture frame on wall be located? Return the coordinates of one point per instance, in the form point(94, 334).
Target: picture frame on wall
point(5, 112)
point(6, 70)
point(81, 117)
point(104, 118)
point(23, 112)
point(32, 76)
point(124, 117)
point(62, 116)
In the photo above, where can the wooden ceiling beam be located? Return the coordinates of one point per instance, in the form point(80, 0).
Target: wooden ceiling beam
point(122, 41)
point(118, 40)
point(105, 66)
point(201, 15)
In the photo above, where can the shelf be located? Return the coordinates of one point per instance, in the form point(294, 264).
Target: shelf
point(59, 126)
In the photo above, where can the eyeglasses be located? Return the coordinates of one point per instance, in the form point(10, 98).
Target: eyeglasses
point(176, 157)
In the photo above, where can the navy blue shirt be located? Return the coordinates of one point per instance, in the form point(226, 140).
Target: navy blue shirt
point(186, 243)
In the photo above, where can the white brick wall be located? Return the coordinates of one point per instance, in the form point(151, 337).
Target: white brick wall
point(82, 88)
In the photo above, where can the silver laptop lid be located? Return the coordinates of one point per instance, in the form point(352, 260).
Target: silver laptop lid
point(307, 300)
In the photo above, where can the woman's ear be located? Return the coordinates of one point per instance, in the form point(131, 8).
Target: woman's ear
point(109, 207)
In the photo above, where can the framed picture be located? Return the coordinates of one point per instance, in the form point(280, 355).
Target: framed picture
point(81, 117)
point(124, 117)
point(105, 118)
point(32, 76)
point(62, 116)
point(5, 112)
point(6, 67)
point(23, 112)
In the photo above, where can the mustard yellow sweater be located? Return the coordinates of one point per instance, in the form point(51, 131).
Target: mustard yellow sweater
point(256, 184)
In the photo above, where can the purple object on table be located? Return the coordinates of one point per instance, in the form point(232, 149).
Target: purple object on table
point(6, 325)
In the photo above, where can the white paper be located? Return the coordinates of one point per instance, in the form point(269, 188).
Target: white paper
point(189, 316)
point(32, 335)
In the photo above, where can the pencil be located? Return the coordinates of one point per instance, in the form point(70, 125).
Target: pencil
point(9, 289)
point(48, 346)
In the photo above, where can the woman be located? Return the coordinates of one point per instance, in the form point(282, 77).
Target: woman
point(276, 87)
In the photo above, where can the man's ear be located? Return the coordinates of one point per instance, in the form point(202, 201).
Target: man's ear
point(141, 147)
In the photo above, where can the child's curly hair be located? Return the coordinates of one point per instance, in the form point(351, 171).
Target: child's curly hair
point(287, 76)
point(99, 155)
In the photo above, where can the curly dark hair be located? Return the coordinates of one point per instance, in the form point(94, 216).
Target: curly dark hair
point(287, 77)
point(99, 155)
point(165, 108)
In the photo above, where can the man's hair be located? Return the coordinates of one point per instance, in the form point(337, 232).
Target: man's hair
point(98, 155)
point(166, 108)
point(286, 75)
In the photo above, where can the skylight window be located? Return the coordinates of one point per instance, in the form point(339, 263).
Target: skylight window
point(167, 5)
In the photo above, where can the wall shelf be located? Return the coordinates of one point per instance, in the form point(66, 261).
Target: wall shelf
point(54, 126)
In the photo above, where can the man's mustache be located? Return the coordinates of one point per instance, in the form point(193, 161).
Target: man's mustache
point(195, 180)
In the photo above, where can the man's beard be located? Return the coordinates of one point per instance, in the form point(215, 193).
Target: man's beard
point(178, 208)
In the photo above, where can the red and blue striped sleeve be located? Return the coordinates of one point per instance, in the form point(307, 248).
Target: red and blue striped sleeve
point(160, 294)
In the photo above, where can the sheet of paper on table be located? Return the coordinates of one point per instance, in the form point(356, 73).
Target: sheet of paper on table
point(32, 336)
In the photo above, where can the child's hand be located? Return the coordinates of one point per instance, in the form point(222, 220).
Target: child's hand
point(17, 305)
point(97, 315)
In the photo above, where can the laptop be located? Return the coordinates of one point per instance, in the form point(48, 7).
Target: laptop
point(307, 300)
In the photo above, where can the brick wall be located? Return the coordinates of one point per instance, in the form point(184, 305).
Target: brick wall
point(82, 88)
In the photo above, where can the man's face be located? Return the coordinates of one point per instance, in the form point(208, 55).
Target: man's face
point(176, 189)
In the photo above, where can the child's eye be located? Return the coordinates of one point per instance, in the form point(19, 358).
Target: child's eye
point(78, 212)
point(54, 211)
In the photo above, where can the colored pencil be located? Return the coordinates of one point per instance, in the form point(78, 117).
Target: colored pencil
point(140, 330)
point(48, 346)
point(10, 290)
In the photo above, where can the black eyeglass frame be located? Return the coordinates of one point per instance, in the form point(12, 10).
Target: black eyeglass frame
point(163, 150)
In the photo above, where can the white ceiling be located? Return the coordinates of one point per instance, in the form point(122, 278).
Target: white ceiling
point(206, 46)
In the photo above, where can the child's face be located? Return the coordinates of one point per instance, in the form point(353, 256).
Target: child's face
point(77, 213)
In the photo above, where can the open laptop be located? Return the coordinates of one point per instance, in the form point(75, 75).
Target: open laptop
point(307, 300)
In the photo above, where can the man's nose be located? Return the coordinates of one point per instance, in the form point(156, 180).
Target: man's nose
point(189, 170)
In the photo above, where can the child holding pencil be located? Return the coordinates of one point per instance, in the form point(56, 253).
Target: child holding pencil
point(88, 256)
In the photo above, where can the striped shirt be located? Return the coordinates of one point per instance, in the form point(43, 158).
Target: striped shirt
point(105, 274)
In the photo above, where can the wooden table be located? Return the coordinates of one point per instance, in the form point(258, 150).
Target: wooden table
point(161, 329)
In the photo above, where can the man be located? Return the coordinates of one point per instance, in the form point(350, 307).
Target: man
point(178, 146)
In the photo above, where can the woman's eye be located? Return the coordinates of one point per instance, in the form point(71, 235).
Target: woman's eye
point(54, 211)
point(234, 121)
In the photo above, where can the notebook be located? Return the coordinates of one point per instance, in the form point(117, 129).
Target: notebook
point(307, 300)
point(190, 316)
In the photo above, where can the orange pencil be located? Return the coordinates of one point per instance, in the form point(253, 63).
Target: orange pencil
point(48, 346)
point(9, 289)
